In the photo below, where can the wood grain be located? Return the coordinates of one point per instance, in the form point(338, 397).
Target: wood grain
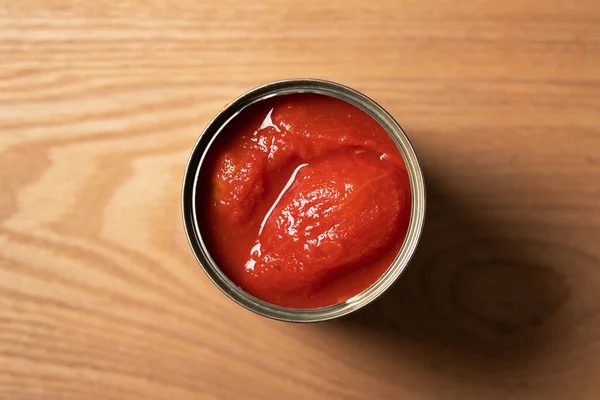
point(101, 102)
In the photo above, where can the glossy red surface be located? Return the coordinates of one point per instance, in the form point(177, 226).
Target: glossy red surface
point(304, 200)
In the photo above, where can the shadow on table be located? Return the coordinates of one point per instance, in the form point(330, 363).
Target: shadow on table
point(475, 296)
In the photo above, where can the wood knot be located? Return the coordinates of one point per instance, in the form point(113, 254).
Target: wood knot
point(498, 289)
point(506, 296)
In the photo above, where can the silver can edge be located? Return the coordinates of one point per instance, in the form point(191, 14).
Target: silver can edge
point(279, 88)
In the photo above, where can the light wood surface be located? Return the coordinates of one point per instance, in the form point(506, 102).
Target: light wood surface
point(101, 102)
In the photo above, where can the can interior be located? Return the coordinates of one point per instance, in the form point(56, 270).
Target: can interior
point(190, 187)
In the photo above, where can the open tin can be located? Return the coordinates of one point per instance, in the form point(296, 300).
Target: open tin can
point(190, 188)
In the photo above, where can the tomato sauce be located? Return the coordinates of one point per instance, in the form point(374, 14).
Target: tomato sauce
point(303, 201)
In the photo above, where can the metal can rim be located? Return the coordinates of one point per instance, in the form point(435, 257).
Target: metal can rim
point(279, 88)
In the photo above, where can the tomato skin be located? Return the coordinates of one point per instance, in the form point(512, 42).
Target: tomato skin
point(308, 200)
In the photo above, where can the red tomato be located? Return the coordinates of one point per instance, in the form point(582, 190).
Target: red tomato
point(307, 201)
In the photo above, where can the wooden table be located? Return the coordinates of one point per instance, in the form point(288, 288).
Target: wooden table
point(101, 102)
